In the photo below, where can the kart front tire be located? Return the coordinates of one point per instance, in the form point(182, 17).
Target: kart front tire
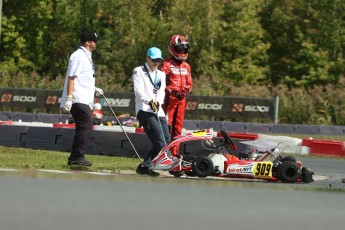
point(202, 166)
point(288, 172)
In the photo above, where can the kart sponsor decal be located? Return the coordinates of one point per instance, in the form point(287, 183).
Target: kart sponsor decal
point(207, 133)
point(162, 160)
point(263, 169)
point(199, 133)
point(178, 71)
point(240, 169)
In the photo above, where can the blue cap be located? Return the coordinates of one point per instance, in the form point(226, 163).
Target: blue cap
point(154, 53)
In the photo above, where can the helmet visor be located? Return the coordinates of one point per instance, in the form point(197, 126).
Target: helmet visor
point(182, 48)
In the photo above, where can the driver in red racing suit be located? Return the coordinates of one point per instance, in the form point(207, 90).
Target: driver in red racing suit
point(178, 86)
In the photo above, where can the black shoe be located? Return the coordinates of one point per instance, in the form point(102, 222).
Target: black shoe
point(144, 170)
point(81, 162)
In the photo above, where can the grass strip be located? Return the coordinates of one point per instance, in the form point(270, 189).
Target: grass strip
point(21, 158)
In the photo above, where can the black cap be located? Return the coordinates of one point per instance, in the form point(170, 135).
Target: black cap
point(88, 36)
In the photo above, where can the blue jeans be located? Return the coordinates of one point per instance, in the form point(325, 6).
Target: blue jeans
point(156, 130)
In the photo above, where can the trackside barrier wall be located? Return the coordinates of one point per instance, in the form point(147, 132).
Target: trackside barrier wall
point(260, 128)
point(13, 136)
point(333, 130)
point(284, 129)
point(109, 140)
point(235, 126)
point(309, 129)
point(242, 127)
point(60, 139)
point(216, 125)
point(43, 138)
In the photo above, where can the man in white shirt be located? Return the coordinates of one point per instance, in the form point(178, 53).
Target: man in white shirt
point(149, 90)
point(78, 96)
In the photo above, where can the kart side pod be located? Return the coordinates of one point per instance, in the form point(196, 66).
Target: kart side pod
point(218, 162)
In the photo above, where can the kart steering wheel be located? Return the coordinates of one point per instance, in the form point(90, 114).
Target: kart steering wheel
point(228, 140)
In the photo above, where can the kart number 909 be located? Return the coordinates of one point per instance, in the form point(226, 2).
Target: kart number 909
point(263, 169)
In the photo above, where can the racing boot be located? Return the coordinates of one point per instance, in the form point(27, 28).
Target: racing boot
point(181, 165)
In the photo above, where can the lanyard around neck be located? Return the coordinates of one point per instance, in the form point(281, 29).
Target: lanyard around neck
point(90, 60)
point(155, 84)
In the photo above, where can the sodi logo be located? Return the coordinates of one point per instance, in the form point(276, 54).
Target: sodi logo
point(6, 98)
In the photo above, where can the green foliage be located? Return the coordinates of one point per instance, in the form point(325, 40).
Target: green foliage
point(317, 105)
point(307, 41)
point(244, 56)
point(226, 38)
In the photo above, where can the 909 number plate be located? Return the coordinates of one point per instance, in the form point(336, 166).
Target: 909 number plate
point(263, 169)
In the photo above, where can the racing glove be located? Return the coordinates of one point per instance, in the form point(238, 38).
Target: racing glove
point(98, 91)
point(154, 105)
point(179, 95)
point(68, 105)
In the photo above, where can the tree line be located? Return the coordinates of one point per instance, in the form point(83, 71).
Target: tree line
point(258, 48)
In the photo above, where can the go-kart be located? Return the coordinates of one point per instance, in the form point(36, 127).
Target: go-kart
point(270, 165)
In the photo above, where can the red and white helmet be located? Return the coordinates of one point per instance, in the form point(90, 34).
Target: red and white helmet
point(179, 47)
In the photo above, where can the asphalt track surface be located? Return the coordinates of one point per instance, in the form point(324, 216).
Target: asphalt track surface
point(33, 200)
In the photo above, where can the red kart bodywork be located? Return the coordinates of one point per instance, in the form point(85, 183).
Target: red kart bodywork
point(269, 166)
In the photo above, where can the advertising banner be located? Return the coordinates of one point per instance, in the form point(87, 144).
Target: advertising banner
point(212, 106)
point(233, 107)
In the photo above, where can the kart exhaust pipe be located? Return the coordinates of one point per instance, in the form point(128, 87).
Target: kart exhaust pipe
point(118, 121)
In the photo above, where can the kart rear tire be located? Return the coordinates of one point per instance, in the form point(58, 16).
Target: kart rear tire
point(288, 158)
point(288, 172)
point(202, 166)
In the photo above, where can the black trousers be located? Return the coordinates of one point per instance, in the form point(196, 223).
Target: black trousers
point(83, 118)
point(156, 130)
